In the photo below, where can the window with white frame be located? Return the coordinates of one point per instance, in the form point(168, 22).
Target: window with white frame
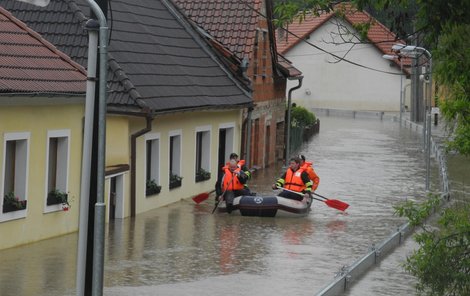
point(202, 168)
point(15, 168)
point(152, 164)
point(175, 159)
point(57, 170)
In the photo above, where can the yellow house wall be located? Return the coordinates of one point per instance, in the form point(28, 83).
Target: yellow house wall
point(117, 140)
point(186, 123)
point(38, 120)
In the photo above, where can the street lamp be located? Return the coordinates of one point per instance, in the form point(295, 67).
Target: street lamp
point(427, 77)
point(391, 58)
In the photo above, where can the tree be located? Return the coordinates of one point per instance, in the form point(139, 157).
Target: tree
point(442, 262)
point(452, 69)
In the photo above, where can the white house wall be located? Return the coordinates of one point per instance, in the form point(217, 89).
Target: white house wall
point(331, 84)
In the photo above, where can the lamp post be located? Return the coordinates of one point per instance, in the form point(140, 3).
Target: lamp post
point(391, 58)
point(427, 78)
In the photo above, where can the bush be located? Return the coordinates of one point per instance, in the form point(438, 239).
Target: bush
point(301, 116)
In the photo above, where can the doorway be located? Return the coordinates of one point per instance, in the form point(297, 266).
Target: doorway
point(116, 197)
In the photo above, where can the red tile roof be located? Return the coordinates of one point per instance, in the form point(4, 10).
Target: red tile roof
point(30, 64)
point(378, 35)
point(232, 23)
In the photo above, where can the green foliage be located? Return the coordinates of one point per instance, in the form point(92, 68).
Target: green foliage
point(13, 202)
point(442, 263)
point(301, 116)
point(56, 196)
point(152, 187)
point(453, 72)
point(286, 10)
point(202, 175)
point(417, 214)
point(362, 29)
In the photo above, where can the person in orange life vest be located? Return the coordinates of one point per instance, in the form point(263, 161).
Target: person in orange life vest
point(233, 180)
point(240, 164)
point(307, 166)
point(232, 184)
point(243, 168)
point(295, 179)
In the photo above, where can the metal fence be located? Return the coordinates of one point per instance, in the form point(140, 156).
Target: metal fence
point(300, 134)
point(348, 274)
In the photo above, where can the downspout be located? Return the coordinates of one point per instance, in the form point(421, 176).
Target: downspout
point(92, 27)
point(248, 135)
point(100, 207)
point(134, 137)
point(244, 68)
point(289, 98)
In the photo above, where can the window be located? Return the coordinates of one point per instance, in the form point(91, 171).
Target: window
point(203, 154)
point(175, 159)
point(152, 164)
point(57, 170)
point(15, 176)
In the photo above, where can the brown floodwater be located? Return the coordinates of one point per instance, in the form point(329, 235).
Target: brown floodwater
point(183, 249)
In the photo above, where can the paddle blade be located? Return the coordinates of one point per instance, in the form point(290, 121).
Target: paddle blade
point(337, 204)
point(201, 197)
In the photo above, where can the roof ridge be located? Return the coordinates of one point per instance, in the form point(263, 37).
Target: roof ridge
point(38, 37)
point(176, 11)
point(328, 16)
point(125, 81)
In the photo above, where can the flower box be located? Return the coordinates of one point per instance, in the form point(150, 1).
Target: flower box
point(55, 197)
point(202, 175)
point(12, 203)
point(152, 188)
point(175, 181)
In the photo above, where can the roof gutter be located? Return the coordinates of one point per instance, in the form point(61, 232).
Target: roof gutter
point(289, 99)
point(134, 137)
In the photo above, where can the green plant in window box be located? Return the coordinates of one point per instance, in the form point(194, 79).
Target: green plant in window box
point(152, 187)
point(56, 197)
point(175, 181)
point(202, 175)
point(13, 203)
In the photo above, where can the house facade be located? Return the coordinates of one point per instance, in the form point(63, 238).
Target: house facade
point(343, 70)
point(174, 109)
point(243, 33)
point(42, 94)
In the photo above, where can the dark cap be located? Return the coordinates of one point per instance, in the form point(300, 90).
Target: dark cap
point(233, 155)
point(301, 156)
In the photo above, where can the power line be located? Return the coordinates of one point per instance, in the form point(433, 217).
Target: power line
point(319, 48)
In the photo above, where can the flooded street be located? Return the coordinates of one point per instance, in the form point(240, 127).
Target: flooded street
point(183, 249)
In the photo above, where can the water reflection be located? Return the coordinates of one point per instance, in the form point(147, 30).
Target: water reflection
point(183, 249)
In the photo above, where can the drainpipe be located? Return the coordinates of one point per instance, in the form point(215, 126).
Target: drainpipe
point(92, 27)
point(289, 98)
point(248, 135)
point(100, 208)
point(133, 160)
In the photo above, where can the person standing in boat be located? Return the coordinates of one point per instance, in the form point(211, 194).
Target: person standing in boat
point(294, 179)
point(307, 167)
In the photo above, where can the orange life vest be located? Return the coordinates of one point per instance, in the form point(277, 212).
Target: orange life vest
point(231, 181)
point(307, 167)
point(294, 180)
